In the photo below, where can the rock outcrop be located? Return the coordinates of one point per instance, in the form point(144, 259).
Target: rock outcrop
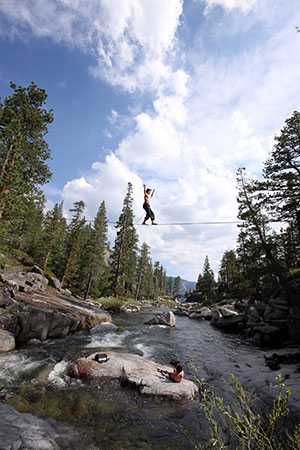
point(136, 371)
point(7, 341)
point(193, 311)
point(130, 308)
point(30, 311)
point(165, 318)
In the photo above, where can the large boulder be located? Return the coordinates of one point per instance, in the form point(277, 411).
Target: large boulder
point(227, 319)
point(165, 318)
point(267, 335)
point(24, 281)
point(203, 313)
point(9, 322)
point(7, 341)
point(54, 282)
point(136, 371)
point(44, 324)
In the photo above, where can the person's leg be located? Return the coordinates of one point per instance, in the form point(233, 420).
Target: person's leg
point(148, 215)
point(152, 216)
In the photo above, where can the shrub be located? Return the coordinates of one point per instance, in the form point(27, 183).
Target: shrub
point(243, 426)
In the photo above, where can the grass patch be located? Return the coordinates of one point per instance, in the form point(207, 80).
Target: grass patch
point(114, 304)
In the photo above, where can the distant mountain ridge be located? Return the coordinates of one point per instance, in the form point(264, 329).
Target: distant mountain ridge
point(185, 286)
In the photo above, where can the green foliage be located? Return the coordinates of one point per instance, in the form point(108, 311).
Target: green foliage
point(241, 425)
point(206, 284)
point(54, 235)
point(231, 281)
point(114, 304)
point(124, 255)
point(77, 237)
point(23, 150)
point(144, 283)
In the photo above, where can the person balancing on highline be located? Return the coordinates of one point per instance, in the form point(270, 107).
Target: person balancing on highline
point(148, 194)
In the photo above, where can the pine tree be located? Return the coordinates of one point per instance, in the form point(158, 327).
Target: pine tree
point(230, 279)
point(280, 188)
point(157, 291)
point(144, 285)
point(123, 259)
point(54, 235)
point(23, 150)
point(74, 244)
point(96, 273)
point(255, 247)
point(206, 283)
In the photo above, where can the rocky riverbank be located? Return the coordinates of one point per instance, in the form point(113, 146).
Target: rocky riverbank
point(31, 307)
point(269, 323)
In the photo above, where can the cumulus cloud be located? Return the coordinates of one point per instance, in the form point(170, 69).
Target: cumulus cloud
point(202, 124)
point(243, 5)
point(188, 146)
point(132, 40)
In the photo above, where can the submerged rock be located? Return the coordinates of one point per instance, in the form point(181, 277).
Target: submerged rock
point(165, 318)
point(7, 341)
point(136, 371)
point(25, 431)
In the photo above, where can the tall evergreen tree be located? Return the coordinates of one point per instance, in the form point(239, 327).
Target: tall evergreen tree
point(206, 283)
point(230, 279)
point(96, 269)
point(23, 150)
point(74, 245)
point(254, 238)
point(144, 284)
point(123, 259)
point(54, 235)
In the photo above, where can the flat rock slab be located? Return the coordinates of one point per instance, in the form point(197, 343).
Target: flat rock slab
point(136, 371)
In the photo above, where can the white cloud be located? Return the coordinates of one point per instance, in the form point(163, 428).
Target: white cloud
point(243, 5)
point(201, 126)
point(199, 131)
point(130, 39)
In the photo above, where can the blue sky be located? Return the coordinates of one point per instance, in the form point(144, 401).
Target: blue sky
point(176, 94)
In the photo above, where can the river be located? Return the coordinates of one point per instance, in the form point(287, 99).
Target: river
point(120, 418)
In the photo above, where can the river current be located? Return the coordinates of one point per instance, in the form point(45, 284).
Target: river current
point(120, 418)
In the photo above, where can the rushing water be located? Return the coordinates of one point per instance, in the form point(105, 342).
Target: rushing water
point(120, 418)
